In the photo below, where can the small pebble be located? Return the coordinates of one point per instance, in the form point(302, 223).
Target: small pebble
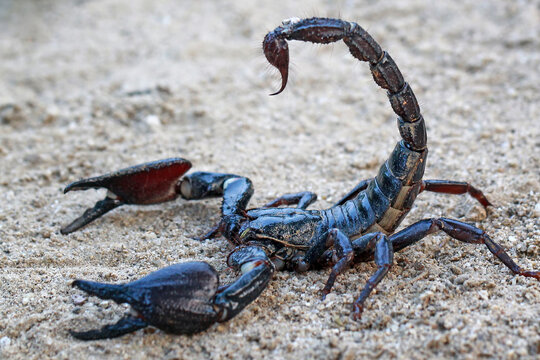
point(5, 342)
point(152, 121)
point(78, 299)
point(27, 298)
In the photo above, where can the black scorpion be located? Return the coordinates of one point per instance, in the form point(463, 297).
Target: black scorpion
point(186, 298)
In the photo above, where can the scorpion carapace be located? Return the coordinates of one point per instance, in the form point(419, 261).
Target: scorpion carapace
point(185, 298)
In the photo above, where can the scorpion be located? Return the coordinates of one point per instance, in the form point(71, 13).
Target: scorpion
point(186, 298)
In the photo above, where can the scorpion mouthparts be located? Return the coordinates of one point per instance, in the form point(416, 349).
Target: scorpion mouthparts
point(276, 51)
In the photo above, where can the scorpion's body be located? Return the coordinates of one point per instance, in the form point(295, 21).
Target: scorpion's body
point(379, 204)
point(185, 298)
point(379, 208)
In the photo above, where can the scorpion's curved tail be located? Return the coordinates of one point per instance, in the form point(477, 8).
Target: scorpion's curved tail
point(362, 46)
point(388, 199)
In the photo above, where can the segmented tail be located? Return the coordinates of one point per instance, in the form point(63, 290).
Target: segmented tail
point(382, 203)
point(362, 46)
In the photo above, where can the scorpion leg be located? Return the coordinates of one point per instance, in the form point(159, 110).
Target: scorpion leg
point(455, 187)
point(383, 256)
point(362, 185)
point(343, 257)
point(143, 184)
point(302, 200)
point(459, 231)
point(183, 298)
point(374, 245)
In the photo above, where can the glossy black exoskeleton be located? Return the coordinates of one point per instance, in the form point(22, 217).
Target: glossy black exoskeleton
point(361, 226)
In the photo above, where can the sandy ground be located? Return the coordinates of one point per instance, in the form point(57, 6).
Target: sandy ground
point(87, 87)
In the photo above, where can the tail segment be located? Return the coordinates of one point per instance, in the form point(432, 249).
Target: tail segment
point(362, 46)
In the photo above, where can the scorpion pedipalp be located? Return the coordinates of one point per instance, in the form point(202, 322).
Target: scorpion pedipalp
point(176, 299)
point(183, 298)
point(148, 183)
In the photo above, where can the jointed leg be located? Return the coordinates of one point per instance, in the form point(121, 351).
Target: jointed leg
point(302, 200)
point(459, 231)
point(455, 187)
point(343, 253)
point(362, 185)
point(384, 257)
point(306, 198)
point(376, 244)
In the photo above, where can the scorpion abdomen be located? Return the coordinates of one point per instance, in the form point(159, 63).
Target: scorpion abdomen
point(387, 199)
point(353, 218)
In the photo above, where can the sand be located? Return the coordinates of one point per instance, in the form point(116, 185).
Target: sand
point(88, 87)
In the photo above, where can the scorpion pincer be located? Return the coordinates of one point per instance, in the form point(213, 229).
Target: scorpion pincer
point(186, 298)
